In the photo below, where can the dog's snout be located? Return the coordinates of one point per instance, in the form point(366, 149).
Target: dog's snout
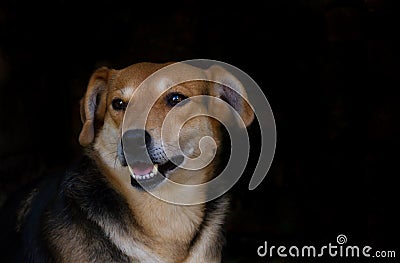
point(137, 138)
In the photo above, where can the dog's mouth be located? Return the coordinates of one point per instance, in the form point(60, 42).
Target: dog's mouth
point(151, 175)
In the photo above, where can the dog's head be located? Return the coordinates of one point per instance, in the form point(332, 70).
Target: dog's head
point(149, 154)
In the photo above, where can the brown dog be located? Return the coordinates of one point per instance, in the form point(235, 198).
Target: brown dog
point(100, 211)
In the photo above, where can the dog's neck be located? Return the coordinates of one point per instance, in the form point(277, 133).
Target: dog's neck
point(168, 229)
point(171, 227)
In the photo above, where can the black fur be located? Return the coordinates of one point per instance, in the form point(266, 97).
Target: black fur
point(76, 198)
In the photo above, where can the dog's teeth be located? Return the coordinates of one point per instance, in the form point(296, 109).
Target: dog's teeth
point(131, 172)
point(145, 176)
point(155, 169)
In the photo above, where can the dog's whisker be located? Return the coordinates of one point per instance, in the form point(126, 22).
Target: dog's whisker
point(110, 144)
point(115, 161)
point(111, 153)
point(170, 146)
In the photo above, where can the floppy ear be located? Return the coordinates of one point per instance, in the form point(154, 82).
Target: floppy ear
point(229, 89)
point(93, 105)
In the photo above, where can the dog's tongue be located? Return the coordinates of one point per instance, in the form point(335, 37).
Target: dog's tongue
point(142, 169)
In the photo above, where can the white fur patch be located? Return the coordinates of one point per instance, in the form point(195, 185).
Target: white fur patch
point(128, 246)
point(127, 93)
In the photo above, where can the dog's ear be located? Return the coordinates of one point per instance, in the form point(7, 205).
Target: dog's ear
point(229, 89)
point(93, 104)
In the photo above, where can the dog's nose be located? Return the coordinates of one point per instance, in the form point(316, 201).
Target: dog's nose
point(137, 138)
point(134, 145)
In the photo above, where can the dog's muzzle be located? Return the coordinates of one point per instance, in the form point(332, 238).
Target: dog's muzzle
point(147, 163)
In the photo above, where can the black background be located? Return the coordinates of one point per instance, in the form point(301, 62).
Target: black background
point(329, 69)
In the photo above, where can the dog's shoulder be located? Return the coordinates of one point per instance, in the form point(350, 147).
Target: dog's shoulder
point(59, 214)
point(72, 222)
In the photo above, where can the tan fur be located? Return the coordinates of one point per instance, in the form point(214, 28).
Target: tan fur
point(166, 229)
point(71, 251)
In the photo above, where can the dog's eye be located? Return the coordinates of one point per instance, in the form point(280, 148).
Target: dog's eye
point(119, 104)
point(175, 98)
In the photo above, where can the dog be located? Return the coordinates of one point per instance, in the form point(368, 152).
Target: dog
point(103, 209)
